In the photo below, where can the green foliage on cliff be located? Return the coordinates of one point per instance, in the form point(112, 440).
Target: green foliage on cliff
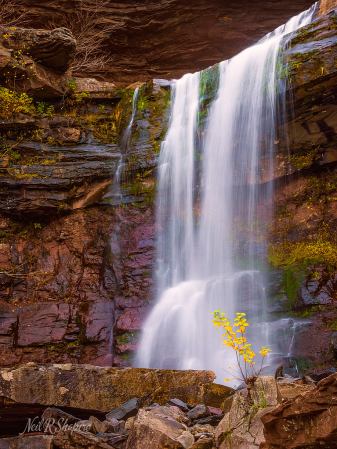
point(308, 33)
point(208, 88)
point(293, 278)
point(322, 249)
point(303, 161)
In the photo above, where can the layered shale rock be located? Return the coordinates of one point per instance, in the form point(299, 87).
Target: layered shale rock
point(159, 39)
point(64, 257)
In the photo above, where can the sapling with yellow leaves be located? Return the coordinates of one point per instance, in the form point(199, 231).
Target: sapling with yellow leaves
point(235, 338)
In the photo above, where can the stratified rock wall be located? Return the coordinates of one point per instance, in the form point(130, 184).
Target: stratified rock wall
point(169, 38)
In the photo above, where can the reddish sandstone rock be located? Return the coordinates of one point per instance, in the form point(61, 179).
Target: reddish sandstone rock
point(63, 308)
point(306, 421)
point(132, 319)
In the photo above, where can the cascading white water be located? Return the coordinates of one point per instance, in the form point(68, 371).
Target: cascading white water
point(128, 131)
point(208, 246)
point(114, 192)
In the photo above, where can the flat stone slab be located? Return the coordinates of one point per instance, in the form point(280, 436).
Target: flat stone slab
point(88, 387)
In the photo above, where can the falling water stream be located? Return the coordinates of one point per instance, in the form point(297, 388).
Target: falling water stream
point(114, 193)
point(211, 209)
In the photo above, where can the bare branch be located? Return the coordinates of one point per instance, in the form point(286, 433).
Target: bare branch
point(12, 13)
point(86, 22)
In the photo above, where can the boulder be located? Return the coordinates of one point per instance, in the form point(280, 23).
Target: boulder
point(289, 390)
point(114, 426)
point(265, 392)
point(129, 423)
point(199, 428)
point(55, 415)
point(99, 427)
point(215, 411)
point(203, 443)
point(212, 420)
point(126, 410)
point(97, 388)
point(52, 48)
point(85, 426)
point(98, 90)
point(241, 427)
point(306, 421)
point(74, 439)
point(186, 439)
point(27, 442)
point(178, 403)
point(200, 411)
point(151, 431)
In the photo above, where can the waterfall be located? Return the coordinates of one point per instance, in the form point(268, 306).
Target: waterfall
point(128, 131)
point(114, 193)
point(214, 201)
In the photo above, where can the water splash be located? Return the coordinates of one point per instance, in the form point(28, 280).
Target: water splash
point(211, 211)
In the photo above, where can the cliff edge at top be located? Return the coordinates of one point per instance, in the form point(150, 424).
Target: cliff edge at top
point(168, 38)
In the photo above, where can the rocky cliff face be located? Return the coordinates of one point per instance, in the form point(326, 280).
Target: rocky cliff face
point(169, 38)
point(76, 260)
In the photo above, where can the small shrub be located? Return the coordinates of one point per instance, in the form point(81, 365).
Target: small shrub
point(13, 103)
point(236, 339)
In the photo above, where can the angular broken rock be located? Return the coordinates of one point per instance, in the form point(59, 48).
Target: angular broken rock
point(186, 439)
point(242, 427)
point(113, 426)
point(265, 392)
point(178, 403)
point(198, 412)
point(99, 427)
point(152, 431)
point(126, 410)
point(308, 420)
point(215, 411)
point(74, 439)
point(85, 426)
point(27, 442)
point(129, 423)
point(198, 428)
point(57, 416)
point(203, 443)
